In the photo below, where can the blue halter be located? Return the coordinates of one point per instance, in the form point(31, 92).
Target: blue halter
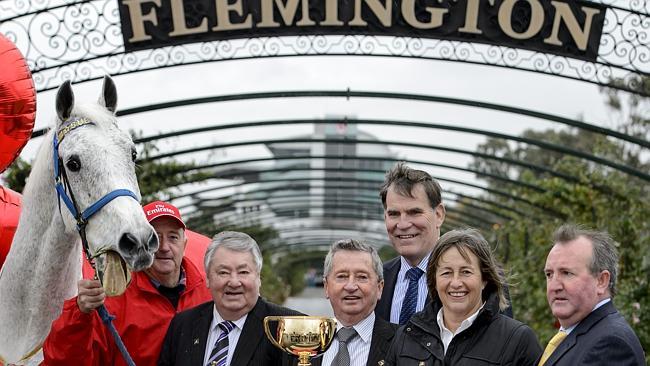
point(60, 183)
point(60, 179)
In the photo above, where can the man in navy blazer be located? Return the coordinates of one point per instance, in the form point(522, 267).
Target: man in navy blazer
point(413, 213)
point(233, 263)
point(581, 271)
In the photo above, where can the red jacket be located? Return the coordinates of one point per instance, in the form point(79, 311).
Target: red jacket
point(142, 316)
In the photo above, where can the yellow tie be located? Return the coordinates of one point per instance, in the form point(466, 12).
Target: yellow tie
point(552, 345)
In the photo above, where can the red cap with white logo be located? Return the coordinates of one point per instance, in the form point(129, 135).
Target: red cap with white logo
point(157, 209)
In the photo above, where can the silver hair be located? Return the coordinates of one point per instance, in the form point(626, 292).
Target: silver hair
point(357, 246)
point(237, 241)
point(604, 253)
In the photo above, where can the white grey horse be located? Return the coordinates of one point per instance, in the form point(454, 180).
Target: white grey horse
point(44, 262)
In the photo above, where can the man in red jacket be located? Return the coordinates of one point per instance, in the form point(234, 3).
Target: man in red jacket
point(142, 314)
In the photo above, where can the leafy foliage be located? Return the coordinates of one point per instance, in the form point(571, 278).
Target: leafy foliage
point(158, 179)
point(15, 176)
point(599, 197)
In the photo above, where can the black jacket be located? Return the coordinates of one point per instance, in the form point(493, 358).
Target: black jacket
point(391, 270)
point(493, 339)
point(187, 336)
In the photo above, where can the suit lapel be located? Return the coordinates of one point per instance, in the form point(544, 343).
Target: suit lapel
point(585, 325)
point(251, 335)
point(382, 334)
point(391, 269)
point(201, 329)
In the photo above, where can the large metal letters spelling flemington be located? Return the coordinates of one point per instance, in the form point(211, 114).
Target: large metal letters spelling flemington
point(565, 27)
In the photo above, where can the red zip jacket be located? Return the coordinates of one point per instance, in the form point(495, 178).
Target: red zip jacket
point(142, 316)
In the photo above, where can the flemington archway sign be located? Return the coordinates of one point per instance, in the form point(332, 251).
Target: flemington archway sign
point(606, 43)
point(595, 42)
point(568, 28)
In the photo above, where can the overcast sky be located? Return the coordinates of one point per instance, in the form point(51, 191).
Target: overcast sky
point(529, 90)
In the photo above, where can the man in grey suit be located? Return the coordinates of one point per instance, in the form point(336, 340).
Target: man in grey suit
point(227, 331)
point(581, 271)
point(353, 280)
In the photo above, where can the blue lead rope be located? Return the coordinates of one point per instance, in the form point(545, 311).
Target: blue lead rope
point(108, 321)
point(82, 218)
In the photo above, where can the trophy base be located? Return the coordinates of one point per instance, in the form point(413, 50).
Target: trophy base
point(303, 359)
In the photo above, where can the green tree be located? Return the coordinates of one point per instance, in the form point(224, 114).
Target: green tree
point(159, 179)
point(15, 176)
point(599, 197)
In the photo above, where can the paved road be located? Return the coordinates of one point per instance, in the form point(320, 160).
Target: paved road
point(311, 301)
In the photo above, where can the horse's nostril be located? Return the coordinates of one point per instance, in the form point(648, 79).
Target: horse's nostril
point(152, 243)
point(128, 243)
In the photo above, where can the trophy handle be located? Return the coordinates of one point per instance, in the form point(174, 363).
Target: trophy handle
point(267, 320)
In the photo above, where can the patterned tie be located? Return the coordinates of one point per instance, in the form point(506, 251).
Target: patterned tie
point(219, 353)
point(411, 296)
point(552, 345)
point(344, 335)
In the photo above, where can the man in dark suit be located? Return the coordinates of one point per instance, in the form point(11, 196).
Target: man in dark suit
point(353, 281)
point(581, 271)
point(413, 213)
point(228, 330)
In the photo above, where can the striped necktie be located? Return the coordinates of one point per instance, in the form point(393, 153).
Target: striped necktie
point(219, 353)
point(552, 345)
point(411, 296)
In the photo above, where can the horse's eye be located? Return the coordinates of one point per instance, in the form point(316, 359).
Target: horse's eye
point(134, 154)
point(73, 164)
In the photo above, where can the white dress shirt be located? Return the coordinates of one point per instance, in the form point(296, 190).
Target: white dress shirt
point(215, 331)
point(402, 285)
point(358, 347)
point(447, 335)
point(571, 328)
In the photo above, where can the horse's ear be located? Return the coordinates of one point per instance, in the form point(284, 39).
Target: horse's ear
point(108, 98)
point(64, 101)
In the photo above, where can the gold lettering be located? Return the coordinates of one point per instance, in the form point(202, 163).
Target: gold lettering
point(331, 13)
point(223, 16)
point(138, 19)
point(471, 17)
point(580, 36)
point(536, 19)
point(178, 19)
point(383, 13)
point(288, 13)
point(408, 12)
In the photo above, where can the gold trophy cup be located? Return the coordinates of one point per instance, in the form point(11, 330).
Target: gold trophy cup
point(302, 336)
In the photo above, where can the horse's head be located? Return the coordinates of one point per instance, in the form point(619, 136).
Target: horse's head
point(96, 159)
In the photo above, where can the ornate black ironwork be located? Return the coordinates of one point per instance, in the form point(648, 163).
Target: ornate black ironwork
point(81, 40)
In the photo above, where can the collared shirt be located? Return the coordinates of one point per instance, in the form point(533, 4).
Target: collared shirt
point(182, 281)
point(571, 328)
point(215, 331)
point(402, 285)
point(358, 347)
point(447, 335)
point(173, 294)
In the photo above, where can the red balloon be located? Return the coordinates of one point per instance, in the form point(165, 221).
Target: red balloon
point(17, 102)
point(195, 248)
point(10, 203)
